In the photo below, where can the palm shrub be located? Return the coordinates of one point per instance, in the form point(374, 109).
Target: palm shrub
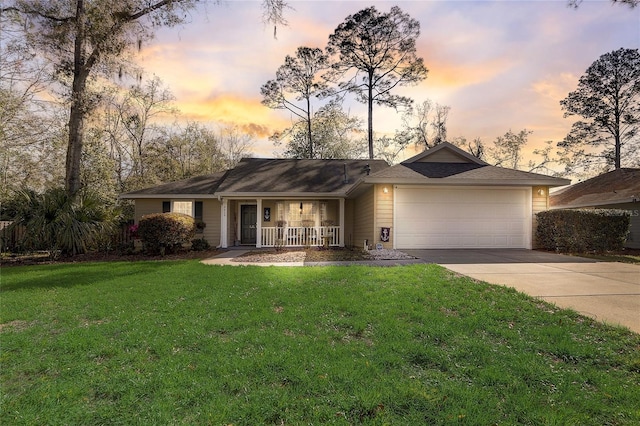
point(57, 222)
point(162, 232)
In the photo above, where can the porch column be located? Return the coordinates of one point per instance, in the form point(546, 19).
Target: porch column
point(259, 223)
point(224, 221)
point(341, 239)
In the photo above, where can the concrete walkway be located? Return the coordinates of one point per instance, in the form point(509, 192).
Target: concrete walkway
point(227, 258)
point(606, 291)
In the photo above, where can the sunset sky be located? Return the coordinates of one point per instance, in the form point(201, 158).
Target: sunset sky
point(499, 65)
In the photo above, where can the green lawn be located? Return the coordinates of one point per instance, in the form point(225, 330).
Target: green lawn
point(183, 343)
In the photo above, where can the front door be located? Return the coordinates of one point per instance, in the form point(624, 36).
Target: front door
point(248, 220)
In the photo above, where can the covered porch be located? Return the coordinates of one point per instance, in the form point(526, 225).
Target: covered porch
point(296, 222)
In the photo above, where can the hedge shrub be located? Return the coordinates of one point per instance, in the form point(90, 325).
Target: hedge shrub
point(580, 231)
point(163, 232)
point(200, 244)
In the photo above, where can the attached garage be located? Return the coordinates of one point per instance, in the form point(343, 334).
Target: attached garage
point(437, 217)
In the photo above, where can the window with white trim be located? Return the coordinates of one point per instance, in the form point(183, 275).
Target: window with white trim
point(302, 213)
point(190, 208)
point(184, 207)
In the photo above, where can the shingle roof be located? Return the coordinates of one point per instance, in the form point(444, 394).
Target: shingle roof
point(616, 187)
point(260, 175)
point(441, 170)
point(462, 173)
point(306, 177)
point(199, 185)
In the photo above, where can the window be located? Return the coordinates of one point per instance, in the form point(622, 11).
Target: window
point(184, 207)
point(323, 212)
point(190, 208)
point(197, 213)
point(302, 213)
point(280, 216)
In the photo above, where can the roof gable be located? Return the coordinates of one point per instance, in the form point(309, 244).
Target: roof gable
point(446, 164)
point(445, 152)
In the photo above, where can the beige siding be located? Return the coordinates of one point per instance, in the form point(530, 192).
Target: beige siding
point(145, 207)
point(333, 211)
point(211, 216)
point(349, 207)
point(272, 205)
point(383, 213)
point(539, 203)
point(210, 212)
point(363, 219)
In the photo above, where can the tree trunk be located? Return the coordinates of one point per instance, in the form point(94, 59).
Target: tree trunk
point(370, 116)
point(616, 135)
point(618, 162)
point(76, 116)
point(311, 154)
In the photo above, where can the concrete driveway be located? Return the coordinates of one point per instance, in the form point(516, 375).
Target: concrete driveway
point(606, 291)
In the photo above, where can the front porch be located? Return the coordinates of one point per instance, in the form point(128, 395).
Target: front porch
point(301, 236)
point(265, 222)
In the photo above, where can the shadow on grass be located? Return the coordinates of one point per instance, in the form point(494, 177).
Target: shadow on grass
point(71, 275)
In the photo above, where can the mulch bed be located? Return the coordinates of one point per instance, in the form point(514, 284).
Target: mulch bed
point(300, 255)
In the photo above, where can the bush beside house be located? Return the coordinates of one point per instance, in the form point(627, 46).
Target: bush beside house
point(55, 222)
point(163, 232)
point(579, 231)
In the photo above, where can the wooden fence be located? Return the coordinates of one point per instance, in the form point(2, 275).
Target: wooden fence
point(11, 237)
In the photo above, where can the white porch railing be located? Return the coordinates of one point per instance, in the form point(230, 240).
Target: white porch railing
point(301, 236)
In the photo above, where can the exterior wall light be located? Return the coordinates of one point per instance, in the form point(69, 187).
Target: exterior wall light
point(385, 190)
point(540, 191)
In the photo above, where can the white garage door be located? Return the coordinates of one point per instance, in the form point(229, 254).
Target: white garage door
point(462, 217)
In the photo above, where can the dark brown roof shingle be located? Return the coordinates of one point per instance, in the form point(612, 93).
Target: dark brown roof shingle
point(618, 186)
point(261, 175)
point(199, 185)
point(463, 173)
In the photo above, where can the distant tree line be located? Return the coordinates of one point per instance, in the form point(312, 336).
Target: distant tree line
point(372, 53)
point(77, 47)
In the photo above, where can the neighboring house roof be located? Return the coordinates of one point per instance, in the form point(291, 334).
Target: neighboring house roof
point(447, 164)
point(617, 187)
point(287, 176)
point(187, 188)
